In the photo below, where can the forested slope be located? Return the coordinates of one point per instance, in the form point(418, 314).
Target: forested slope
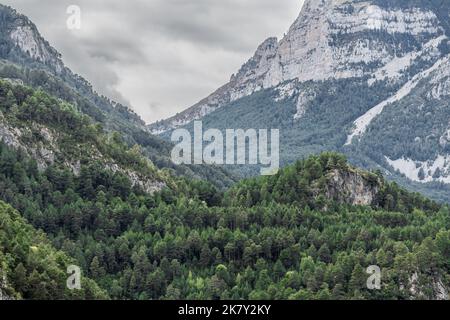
point(256, 241)
point(31, 268)
point(76, 166)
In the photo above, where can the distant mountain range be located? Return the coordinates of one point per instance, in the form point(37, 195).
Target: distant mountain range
point(366, 78)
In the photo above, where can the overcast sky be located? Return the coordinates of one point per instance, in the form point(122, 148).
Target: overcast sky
point(159, 56)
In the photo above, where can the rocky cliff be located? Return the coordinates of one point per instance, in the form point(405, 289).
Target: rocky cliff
point(365, 78)
point(22, 37)
point(331, 39)
point(352, 187)
point(3, 287)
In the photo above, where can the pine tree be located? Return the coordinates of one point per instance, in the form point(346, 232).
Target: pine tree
point(324, 254)
point(358, 279)
point(96, 271)
point(20, 278)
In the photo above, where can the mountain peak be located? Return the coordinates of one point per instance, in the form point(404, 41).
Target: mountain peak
point(331, 39)
point(22, 40)
point(366, 78)
point(260, 63)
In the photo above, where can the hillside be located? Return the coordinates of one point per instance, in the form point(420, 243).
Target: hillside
point(31, 268)
point(26, 58)
point(56, 133)
point(82, 181)
point(307, 233)
point(365, 78)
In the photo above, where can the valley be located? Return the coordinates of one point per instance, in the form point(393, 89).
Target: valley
point(358, 91)
point(367, 79)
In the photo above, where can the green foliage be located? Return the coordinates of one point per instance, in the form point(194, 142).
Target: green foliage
point(192, 243)
point(33, 269)
point(305, 184)
point(70, 135)
point(414, 127)
point(281, 237)
point(113, 117)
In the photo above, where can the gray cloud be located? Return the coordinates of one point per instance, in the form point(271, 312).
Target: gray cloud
point(159, 56)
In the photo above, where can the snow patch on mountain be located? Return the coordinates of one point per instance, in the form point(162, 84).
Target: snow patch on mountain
point(331, 39)
point(362, 123)
point(437, 170)
point(394, 69)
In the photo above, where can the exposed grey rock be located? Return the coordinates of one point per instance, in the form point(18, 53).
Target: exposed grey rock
point(3, 287)
point(310, 51)
point(8, 134)
point(14, 81)
point(148, 185)
point(302, 102)
point(46, 152)
point(25, 36)
point(351, 187)
point(438, 288)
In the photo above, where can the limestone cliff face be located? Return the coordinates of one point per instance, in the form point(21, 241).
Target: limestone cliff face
point(351, 187)
point(26, 37)
point(331, 39)
point(423, 290)
point(4, 287)
point(48, 150)
point(23, 34)
point(338, 39)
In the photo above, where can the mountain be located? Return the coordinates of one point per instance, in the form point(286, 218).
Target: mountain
point(27, 59)
point(82, 182)
point(366, 78)
point(308, 232)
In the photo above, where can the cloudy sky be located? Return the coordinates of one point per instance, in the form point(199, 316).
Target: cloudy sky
point(159, 56)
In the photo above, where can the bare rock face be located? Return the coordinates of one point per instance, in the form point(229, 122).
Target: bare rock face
point(351, 187)
point(437, 290)
point(252, 75)
point(3, 287)
point(25, 36)
point(331, 39)
point(27, 39)
point(8, 134)
point(3, 296)
point(149, 186)
point(45, 153)
point(335, 39)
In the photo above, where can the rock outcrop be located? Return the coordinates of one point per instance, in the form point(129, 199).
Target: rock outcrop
point(3, 287)
point(25, 36)
point(351, 187)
